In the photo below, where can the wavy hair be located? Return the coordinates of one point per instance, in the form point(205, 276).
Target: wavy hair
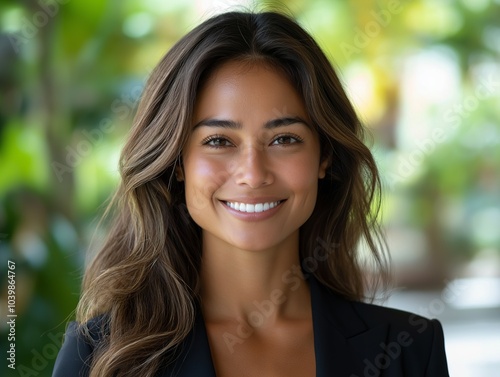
point(145, 277)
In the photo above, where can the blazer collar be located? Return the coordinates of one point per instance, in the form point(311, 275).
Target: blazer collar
point(342, 341)
point(194, 357)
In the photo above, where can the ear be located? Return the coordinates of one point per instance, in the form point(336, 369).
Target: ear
point(325, 163)
point(179, 174)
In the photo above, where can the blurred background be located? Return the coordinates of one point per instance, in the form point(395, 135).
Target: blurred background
point(424, 76)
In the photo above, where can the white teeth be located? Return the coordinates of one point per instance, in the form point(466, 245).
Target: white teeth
point(250, 208)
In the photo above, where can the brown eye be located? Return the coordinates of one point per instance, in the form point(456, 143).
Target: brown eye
point(286, 139)
point(217, 142)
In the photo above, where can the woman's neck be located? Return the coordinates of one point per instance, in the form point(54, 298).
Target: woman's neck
point(258, 287)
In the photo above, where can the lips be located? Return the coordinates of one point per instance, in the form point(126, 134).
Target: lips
point(253, 207)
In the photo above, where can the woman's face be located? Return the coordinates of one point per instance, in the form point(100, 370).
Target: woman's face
point(252, 163)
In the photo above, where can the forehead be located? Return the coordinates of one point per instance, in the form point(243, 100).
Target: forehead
point(248, 88)
point(241, 67)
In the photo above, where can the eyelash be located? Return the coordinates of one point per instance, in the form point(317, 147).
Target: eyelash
point(206, 141)
point(212, 138)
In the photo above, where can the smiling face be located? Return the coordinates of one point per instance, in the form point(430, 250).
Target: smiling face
point(252, 162)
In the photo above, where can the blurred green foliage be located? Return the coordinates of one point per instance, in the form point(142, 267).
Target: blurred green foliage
point(71, 73)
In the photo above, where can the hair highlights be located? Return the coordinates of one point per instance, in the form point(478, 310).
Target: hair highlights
point(144, 280)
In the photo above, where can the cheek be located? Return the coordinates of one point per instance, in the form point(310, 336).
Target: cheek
point(302, 178)
point(302, 171)
point(203, 178)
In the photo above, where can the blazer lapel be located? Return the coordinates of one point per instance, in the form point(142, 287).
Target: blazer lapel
point(194, 358)
point(343, 343)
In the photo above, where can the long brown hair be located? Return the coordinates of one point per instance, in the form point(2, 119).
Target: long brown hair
point(145, 277)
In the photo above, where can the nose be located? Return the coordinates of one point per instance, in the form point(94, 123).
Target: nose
point(252, 168)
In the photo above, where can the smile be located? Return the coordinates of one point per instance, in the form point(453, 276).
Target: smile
point(251, 208)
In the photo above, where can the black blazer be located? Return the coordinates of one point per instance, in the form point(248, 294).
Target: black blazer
point(351, 339)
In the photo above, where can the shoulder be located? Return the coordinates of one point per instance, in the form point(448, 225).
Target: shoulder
point(80, 341)
point(358, 315)
point(404, 326)
point(417, 342)
point(383, 338)
point(375, 315)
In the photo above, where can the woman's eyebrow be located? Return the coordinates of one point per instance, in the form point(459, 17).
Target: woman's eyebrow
point(270, 124)
point(285, 121)
point(222, 123)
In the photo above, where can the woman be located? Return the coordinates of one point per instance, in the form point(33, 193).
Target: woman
point(246, 188)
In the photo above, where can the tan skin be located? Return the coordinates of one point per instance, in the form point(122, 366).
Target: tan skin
point(253, 144)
